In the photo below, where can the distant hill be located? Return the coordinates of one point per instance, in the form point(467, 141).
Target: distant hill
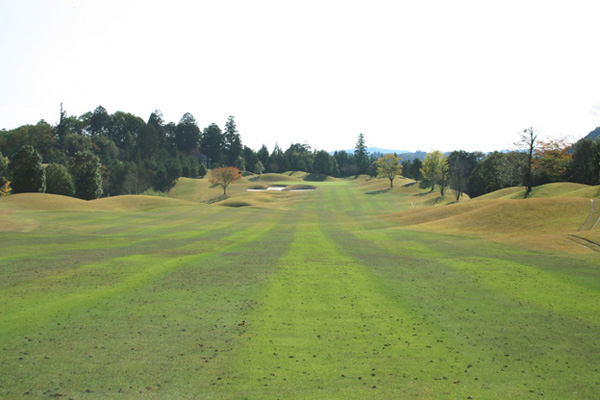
point(593, 134)
point(378, 151)
point(411, 156)
point(374, 150)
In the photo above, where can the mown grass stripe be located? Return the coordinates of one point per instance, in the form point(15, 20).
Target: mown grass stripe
point(504, 340)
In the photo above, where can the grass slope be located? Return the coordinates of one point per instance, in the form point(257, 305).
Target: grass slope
point(558, 189)
point(130, 301)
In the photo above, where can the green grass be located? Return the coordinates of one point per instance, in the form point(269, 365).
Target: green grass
point(342, 296)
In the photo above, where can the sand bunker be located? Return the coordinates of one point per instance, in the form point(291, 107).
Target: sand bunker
point(293, 188)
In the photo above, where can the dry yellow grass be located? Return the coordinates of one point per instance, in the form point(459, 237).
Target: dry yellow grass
point(506, 193)
point(427, 214)
point(590, 192)
point(200, 190)
point(275, 200)
point(139, 202)
point(271, 177)
point(47, 202)
point(560, 189)
point(557, 189)
point(530, 216)
point(13, 222)
point(542, 223)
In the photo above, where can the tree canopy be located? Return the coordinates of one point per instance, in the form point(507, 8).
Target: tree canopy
point(389, 166)
point(27, 171)
point(135, 155)
point(224, 177)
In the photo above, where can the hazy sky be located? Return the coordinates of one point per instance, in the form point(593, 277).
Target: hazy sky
point(409, 75)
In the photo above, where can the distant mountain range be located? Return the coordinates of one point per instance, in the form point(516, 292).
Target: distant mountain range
point(378, 151)
point(409, 156)
point(593, 134)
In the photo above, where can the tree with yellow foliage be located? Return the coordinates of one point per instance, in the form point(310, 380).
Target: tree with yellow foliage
point(389, 166)
point(4, 182)
point(435, 169)
point(552, 159)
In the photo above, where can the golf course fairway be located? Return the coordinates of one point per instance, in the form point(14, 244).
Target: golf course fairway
point(319, 294)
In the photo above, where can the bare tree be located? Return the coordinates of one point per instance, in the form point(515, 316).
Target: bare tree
point(527, 142)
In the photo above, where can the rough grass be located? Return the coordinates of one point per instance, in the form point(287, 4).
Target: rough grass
point(272, 177)
point(48, 202)
point(558, 189)
point(300, 187)
point(540, 223)
point(139, 202)
point(506, 193)
point(150, 302)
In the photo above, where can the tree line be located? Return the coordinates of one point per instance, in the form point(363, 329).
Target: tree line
point(101, 154)
point(535, 162)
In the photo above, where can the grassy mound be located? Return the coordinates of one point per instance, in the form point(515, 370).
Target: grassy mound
point(319, 178)
point(201, 191)
point(16, 223)
point(299, 187)
point(47, 202)
point(258, 186)
point(139, 202)
point(506, 193)
point(557, 189)
point(272, 177)
point(426, 214)
point(296, 174)
point(492, 217)
point(590, 192)
point(196, 190)
point(234, 203)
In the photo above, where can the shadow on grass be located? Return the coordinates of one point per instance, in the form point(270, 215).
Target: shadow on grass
point(382, 191)
point(236, 204)
point(422, 194)
point(312, 177)
point(217, 199)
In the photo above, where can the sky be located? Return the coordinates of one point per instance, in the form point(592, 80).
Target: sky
point(409, 75)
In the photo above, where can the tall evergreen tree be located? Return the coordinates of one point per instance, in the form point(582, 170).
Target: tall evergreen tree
point(27, 171)
point(361, 156)
point(250, 157)
point(59, 180)
point(211, 143)
point(85, 169)
point(415, 169)
point(263, 155)
point(461, 165)
point(275, 162)
point(322, 163)
point(187, 134)
point(61, 128)
point(486, 176)
point(98, 122)
point(232, 142)
point(584, 166)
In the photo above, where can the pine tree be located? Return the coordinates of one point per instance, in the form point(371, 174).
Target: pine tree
point(361, 156)
point(85, 169)
point(27, 171)
point(232, 143)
